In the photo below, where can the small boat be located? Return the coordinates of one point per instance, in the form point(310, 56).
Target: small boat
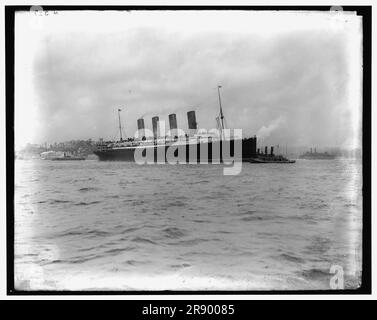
point(56, 156)
point(68, 158)
point(271, 157)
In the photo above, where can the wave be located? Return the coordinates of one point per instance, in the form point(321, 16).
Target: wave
point(143, 240)
point(319, 245)
point(83, 259)
point(128, 230)
point(350, 205)
point(83, 203)
point(86, 189)
point(173, 232)
point(83, 179)
point(97, 233)
point(55, 261)
point(180, 266)
point(190, 242)
point(201, 221)
point(135, 202)
point(74, 260)
point(249, 212)
point(59, 201)
point(176, 203)
point(292, 258)
point(116, 251)
point(133, 262)
point(115, 196)
point(253, 218)
point(315, 274)
point(71, 233)
point(313, 205)
point(198, 182)
point(83, 232)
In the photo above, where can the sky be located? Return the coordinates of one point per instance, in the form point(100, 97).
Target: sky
point(291, 78)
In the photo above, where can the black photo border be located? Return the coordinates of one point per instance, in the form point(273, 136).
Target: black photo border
point(364, 11)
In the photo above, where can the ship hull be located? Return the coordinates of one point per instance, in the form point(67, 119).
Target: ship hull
point(272, 160)
point(193, 152)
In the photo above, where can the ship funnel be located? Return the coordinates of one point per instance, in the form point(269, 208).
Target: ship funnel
point(192, 125)
point(272, 151)
point(155, 124)
point(266, 150)
point(141, 128)
point(173, 124)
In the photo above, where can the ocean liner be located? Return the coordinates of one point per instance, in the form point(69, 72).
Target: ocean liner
point(194, 146)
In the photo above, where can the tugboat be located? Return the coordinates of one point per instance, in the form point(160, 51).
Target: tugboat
point(270, 158)
point(125, 149)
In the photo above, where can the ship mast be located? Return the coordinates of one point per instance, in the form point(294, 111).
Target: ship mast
point(120, 125)
point(221, 111)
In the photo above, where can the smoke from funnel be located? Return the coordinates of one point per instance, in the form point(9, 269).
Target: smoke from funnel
point(265, 132)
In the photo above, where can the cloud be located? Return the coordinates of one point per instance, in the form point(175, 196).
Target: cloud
point(80, 78)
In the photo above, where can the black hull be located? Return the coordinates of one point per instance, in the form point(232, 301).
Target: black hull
point(273, 160)
point(127, 154)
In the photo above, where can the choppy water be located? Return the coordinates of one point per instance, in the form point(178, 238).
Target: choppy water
point(120, 226)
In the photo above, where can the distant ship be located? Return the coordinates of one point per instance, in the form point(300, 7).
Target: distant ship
point(317, 155)
point(125, 149)
point(59, 156)
point(270, 158)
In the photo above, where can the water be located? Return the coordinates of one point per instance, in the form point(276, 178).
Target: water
point(90, 225)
